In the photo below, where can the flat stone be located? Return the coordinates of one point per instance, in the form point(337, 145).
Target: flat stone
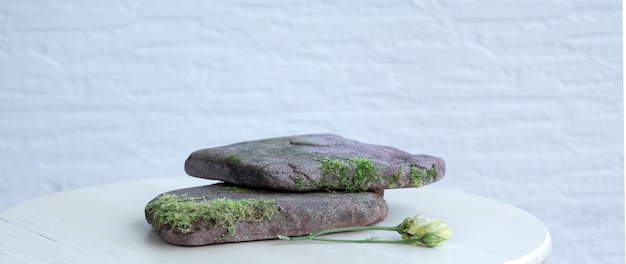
point(297, 214)
point(296, 163)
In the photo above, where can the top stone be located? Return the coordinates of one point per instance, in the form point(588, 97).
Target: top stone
point(314, 162)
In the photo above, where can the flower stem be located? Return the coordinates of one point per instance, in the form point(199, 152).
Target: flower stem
point(414, 230)
point(373, 241)
point(314, 236)
point(359, 228)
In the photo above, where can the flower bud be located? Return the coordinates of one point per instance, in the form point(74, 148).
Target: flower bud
point(432, 239)
point(429, 232)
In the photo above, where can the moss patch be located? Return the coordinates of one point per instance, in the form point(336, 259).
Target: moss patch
point(185, 214)
point(239, 189)
point(420, 175)
point(299, 182)
point(394, 180)
point(357, 174)
point(233, 159)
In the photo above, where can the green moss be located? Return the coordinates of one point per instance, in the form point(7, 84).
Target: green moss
point(331, 168)
point(364, 173)
point(432, 173)
point(233, 159)
point(185, 214)
point(239, 189)
point(420, 175)
point(394, 180)
point(357, 174)
point(299, 182)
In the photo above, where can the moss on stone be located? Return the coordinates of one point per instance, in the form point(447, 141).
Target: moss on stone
point(185, 214)
point(240, 189)
point(233, 159)
point(299, 182)
point(394, 180)
point(357, 174)
point(364, 173)
point(420, 175)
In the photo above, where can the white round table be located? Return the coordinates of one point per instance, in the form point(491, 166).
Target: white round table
point(106, 224)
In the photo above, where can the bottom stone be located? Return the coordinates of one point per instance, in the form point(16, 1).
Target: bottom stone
point(222, 213)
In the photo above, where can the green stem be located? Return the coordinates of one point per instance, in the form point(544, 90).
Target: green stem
point(350, 229)
point(372, 241)
point(314, 236)
point(416, 241)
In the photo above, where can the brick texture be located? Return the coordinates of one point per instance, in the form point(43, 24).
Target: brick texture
point(523, 99)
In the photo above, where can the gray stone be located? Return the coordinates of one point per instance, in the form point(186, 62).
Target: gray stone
point(296, 163)
point(297, 214)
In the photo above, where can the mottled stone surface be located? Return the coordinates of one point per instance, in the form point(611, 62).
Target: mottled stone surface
point(293, 163)
point(299, 214)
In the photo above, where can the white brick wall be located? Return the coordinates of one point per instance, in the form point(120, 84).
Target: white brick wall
point(523, 99)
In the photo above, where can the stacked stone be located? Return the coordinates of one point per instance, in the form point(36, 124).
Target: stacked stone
point(288, 186)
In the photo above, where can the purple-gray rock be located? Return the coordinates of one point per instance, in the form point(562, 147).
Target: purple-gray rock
point(314, 162)
point(194, 216)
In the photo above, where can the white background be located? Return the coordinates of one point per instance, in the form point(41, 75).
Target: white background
point(523, 99)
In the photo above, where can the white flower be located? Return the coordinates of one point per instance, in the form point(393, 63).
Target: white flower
point(424, 231)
